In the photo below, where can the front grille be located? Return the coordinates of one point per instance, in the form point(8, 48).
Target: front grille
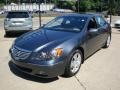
point(19, 54)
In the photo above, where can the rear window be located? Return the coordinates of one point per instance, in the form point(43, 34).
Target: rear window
point(17, 15)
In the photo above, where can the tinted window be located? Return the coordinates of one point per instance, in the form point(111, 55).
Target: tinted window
point(92, 24)
point(17, 15)
point(70, 23)
point(100, 21)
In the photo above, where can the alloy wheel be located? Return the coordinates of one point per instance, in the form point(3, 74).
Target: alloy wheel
point(75, 62)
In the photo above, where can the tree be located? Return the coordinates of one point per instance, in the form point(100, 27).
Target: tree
point(84, 5)
point(56, 2)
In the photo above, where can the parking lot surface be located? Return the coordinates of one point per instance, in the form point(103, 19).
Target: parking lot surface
point(99, 72)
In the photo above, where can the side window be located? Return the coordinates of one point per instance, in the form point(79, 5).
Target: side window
point(92, 24)
point(100, 21)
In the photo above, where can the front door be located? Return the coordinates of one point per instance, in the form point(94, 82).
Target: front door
point(92, 40)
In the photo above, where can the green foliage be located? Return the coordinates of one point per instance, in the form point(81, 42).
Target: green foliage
point(56, 2)
point(85, 5)
point(71, 5)
point(1, 5)
point(68, 5)
point(64, 4)
point(89, 5)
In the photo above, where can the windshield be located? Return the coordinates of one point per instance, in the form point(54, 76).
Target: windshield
point(17, 15)
point(67, 23)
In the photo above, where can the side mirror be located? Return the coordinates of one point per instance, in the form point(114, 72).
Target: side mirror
point(92, 30)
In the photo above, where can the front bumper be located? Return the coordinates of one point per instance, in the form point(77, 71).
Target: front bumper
point(45, 71)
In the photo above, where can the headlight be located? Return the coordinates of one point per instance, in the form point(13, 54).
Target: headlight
point(54, 54)
point(57, 52)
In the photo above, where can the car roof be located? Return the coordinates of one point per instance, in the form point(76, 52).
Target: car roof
point(89, 15)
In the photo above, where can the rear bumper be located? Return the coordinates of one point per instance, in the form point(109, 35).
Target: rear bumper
point(18, 28)
point(44, 71)
point(117, 25)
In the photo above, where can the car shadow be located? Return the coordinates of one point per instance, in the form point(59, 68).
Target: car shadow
point(119, 30)
point(25, 76)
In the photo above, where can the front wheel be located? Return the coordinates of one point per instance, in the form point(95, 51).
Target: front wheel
point(74, 63)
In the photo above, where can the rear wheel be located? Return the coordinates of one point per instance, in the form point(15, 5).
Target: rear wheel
point(107, 44)
point(7, 33)
point(74, 63)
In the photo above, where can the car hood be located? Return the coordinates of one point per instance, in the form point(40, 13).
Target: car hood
point(39, 38)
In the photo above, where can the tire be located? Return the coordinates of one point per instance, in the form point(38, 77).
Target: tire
point(107, 43)
point(74, 64)
point(7, 34)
